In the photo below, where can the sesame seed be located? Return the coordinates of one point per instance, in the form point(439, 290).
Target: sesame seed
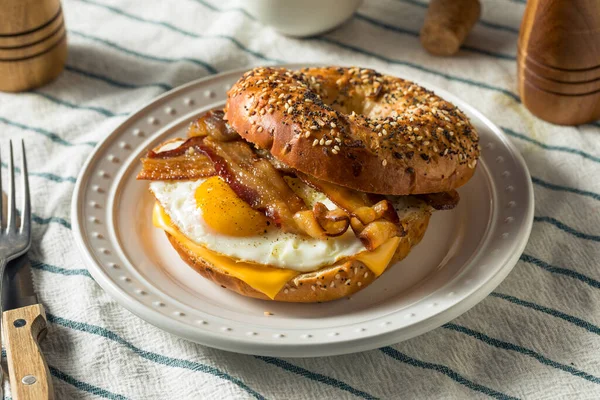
point(355, 270)
point(337, 276)
point(384, 132)
point(286, 291)
point(384, 163)
point(260, 129)
point(315, 142)
point(336, 147)
point(332, 284)
point(332, 125)
point(347, 283)
point(313, 288)
point(313, 127)
point(359, 284)
point(322, 141)
point(267, 313)
point(307, 134)
point(366, 274)
point(328, 142)
point(334, 151)
point(293, 289)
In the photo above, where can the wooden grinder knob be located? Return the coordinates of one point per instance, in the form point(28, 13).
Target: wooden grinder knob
point(447, 24)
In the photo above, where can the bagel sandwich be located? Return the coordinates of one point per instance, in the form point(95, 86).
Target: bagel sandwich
point(310, 183)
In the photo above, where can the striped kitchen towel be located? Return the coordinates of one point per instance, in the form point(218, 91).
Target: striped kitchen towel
point(537, 336)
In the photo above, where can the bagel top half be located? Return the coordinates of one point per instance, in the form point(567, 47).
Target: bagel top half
point(357, 128)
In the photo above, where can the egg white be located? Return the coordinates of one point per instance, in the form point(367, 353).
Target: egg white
point(275, 247)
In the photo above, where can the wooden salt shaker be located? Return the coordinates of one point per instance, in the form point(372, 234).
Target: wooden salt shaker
point(33, 43)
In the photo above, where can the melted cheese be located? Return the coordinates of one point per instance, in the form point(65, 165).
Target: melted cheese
point(265, 279)
point(378, 259)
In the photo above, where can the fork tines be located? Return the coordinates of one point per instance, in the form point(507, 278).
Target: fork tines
point(11, 220)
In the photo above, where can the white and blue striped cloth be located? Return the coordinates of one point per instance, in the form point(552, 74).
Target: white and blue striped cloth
point(537, 336)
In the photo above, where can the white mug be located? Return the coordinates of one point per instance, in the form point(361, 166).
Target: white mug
point(301, 18)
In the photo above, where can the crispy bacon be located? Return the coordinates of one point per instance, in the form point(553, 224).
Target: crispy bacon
point(321, 223)
point(212, 124)
point(255, 181)
point(372, 218)
point(185, 162)
point(378, 232)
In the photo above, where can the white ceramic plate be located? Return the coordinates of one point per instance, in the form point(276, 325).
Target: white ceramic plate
point(465, 254)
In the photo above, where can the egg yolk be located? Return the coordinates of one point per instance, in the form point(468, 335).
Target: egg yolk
point(225, 212)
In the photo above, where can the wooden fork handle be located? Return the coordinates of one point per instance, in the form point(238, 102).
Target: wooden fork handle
point(29, 375)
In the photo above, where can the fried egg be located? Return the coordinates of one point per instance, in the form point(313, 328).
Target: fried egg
point(210, 214)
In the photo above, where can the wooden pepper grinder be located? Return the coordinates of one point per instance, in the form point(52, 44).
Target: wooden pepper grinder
point(33, 43)
point(558, 60)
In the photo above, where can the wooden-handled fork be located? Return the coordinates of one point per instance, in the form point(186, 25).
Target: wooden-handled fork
point(24, 319)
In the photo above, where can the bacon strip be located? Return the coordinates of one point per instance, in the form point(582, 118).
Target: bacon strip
point(373, 218)
point(186, 162)
point(212, 124)
point(255, 181)
point(321, 223)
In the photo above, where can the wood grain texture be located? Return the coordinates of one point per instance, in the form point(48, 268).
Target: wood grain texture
point(562, 34)
point(559, 108)
point(33, 45)
point(558, 61)
point(447, 24)
point(11, 41)
point(551, 85)
point(558, 74)
point(22, 16)
point(23, 329)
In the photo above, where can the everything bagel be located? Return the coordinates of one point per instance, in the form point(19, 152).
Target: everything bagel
point(357, 128)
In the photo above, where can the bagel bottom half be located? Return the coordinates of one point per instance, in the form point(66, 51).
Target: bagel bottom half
point(333, 282)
